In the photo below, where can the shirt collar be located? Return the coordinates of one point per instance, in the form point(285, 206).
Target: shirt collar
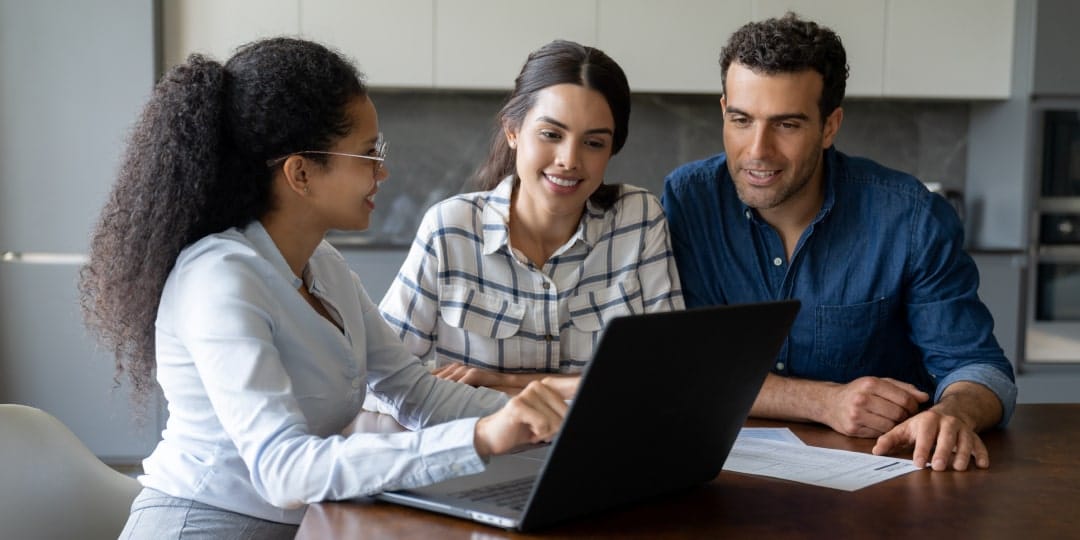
point(495, 220)
point(265, 246)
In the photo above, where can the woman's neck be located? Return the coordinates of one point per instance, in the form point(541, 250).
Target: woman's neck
point(295, 242)
point(537, 234)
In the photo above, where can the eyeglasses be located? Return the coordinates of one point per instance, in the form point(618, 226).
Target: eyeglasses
point(381, 150)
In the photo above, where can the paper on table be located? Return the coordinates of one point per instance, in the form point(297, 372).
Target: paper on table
point(782, 434)
point(837, 469)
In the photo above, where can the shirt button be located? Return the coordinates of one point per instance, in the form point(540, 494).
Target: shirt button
point(748, 214)
point(779, 366)
point(549, 338)
point(777, 261)
point(356, 382)
point(545, 285)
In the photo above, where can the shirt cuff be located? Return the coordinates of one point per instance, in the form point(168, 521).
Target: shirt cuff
point(992, 378)
point(448, 451)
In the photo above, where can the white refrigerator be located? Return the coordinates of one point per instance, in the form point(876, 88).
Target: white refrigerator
point(73, 77)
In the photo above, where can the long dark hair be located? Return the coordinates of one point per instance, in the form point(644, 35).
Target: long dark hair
point(558, 62)
point(195, 164)
point(788, 45)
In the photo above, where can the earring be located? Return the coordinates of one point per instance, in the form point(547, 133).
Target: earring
point(307, 190)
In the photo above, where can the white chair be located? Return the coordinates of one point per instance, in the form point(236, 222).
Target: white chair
point(52, 486)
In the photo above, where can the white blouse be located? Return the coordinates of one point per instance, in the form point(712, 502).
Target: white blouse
point(259, 386)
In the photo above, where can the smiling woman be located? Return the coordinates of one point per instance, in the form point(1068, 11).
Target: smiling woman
point(209, 270)
point(516, 282)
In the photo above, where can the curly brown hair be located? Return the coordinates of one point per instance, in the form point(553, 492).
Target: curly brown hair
point(787, 45)
point(195, 164)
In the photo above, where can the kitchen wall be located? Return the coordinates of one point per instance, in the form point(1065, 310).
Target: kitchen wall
point(437, 139)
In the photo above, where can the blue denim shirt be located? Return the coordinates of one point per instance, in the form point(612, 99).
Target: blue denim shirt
point(885, 284)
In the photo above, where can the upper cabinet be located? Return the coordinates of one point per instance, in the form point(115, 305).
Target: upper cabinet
point(860, 25)
point(216, 28)
point(391, 42)
point(482, 44)
point(1057, 72)
point(896, 48)
point(669, 46)
point(917, 48)
point(953, 49)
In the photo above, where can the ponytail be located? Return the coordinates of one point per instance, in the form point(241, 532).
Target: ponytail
point(155, 209)
point(195, 165)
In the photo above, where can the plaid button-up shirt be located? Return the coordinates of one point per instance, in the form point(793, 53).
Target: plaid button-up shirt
point(465, 295)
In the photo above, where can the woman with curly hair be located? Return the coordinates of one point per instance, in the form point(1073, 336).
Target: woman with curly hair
point(209, 270)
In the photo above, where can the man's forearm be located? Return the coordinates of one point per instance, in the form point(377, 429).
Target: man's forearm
point(785, 398)
point(972, 403)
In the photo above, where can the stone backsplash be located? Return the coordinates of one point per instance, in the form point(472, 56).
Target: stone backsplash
point(438, 139)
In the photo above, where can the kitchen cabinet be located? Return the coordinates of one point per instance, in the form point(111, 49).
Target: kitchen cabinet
point(482, 44)
point(216, 28)
point(954, 49)
point(1002, 278)
point(1056, 72)
point(896, 48)
point(67, 108)
point(365, 30)
point(916, 48)
point(670, 46)
point(860, 24)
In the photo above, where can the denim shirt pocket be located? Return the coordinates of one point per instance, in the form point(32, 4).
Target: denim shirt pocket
point(848, 338)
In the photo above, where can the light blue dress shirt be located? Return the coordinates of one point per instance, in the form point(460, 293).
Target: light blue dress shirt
point(259, 386)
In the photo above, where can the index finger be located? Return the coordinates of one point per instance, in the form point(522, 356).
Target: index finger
point(901, 393)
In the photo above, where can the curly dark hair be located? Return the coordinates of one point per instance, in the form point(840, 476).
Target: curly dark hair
point(787, 45)
point(195, 164)
point(559, 62)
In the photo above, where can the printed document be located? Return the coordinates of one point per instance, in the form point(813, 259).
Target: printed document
point(774, 454)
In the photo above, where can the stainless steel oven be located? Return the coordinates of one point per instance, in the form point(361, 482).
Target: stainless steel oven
point(1053, 333)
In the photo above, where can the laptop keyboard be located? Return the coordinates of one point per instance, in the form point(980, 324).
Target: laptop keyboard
point(513, 494)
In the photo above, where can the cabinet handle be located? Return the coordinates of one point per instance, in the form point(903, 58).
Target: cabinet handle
point(35, 257)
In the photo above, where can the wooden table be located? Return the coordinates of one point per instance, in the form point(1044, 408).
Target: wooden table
point(1031, 490)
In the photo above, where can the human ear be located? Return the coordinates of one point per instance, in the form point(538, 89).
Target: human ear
point(511, 137)
point(831, 127)
point(296, 174)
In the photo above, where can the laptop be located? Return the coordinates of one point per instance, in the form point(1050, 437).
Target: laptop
point(657, 411)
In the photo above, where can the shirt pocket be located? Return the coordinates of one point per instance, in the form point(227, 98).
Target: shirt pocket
point(848, 338)
point(476, 323)
point(589, 313)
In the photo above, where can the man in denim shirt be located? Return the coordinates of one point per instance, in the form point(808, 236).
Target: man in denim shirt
point(890, 313)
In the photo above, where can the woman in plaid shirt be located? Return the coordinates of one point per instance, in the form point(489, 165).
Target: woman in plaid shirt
point(516, 282)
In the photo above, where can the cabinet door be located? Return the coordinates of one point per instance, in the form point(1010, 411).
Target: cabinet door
point(861, 27)
point(216, 28)
point(482, 44)
point(670, 46)
point(67, 108)
point(954, 49)
point(1001, 278)
point(1056, 46)
point(391, 42)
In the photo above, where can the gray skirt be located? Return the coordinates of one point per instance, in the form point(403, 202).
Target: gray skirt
point(155, 515)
